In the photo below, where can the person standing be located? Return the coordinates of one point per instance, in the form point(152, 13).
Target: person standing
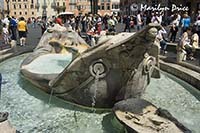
point(105, 21)
point(197, 26)
point(185, 22)
point(13, 28)
point(127, 20)
point(83, 23)
point(157, 18)
point(173, 31)
point(22, 30)
point(184, 47)
point(5, 34)
point(73, 22)
point(58, 20)
point(6, 21)
point(163, 43)
point(174, 28)
point(43, 25)
point(139, 21)
point(112, 23)
point(77, 24)
point(34, 22)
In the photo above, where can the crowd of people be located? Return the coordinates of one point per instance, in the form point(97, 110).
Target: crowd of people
point(94, 26)
point(12, 26)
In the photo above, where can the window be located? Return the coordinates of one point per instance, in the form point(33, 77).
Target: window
point(20, 13)
point(32, 13)
point(57, 3)
point(63, 3)
point(72, 1)
point(25, 6)
point(72, 7)
point(108, 6)
point(15, 13)
point(19, 0)
point(115, 6)
point(14, 6)
point(102, 6)
point(20, 6)
point(32, 6)
point(25, 13)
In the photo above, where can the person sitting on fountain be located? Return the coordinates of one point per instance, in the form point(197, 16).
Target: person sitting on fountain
point(184, 47)
point(194, 44)
point(163, 43)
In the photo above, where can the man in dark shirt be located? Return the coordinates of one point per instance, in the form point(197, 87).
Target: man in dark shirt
point(13, 28)
point(127, 23)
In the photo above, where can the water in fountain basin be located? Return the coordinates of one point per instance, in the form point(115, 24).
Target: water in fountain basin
point(51, 94)
point(171, 93)
point(29, 112)
point(95, 89)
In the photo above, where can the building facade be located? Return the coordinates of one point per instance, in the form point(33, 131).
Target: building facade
point(59, 6)
point(39, 8)
point(18, 8)
point(34, 8)
point(115, 6)
point(84, 6)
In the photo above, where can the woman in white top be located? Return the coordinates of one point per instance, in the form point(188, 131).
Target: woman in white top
point(157, 18)
point(5, 34)
point(139, 21)
point(194, 43)
point(163, 43)
point(183, 46)
point(197, 25)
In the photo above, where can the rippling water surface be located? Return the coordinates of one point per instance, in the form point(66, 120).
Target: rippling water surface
point(30, 112)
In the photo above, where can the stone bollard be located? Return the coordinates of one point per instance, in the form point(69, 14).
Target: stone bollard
point(13, 45)
point(181, 56)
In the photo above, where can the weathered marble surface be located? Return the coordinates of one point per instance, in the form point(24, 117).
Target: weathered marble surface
point(139, 115)
point(5, 127)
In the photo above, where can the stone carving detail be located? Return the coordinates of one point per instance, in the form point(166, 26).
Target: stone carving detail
point(120, 67)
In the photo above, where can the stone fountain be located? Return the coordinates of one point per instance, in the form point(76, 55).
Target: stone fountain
point(118, 68)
